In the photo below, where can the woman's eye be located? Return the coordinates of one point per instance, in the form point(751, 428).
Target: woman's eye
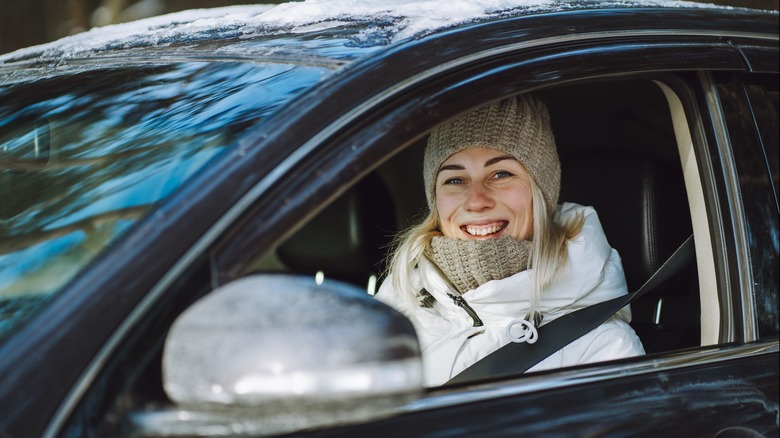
point(502, 174)
point(454, 180)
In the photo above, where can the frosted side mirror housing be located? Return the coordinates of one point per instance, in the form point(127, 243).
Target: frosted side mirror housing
point(279, 353)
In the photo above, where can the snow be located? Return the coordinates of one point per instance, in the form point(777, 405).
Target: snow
point(400, 19)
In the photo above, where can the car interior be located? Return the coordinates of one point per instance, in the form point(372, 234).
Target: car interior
point(618, 154)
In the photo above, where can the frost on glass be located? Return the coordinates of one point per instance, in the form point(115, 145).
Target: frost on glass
point(117, 143)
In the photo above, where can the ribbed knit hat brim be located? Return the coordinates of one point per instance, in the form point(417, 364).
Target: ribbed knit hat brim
point(518, 126)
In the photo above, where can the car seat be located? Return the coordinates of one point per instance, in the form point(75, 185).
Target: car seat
point(348, 240)
point(643, 208)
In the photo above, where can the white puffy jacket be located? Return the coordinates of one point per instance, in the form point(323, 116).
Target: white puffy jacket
point(450, 342)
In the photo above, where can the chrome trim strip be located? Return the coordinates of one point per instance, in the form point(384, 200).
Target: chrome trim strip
point(444, 397)
point(253, 194)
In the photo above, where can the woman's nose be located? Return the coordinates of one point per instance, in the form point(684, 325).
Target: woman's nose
point(479, 198)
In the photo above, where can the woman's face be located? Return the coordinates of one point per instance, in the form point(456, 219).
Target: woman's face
point(483, 194)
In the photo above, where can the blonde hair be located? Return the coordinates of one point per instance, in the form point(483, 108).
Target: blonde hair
point(548, 251)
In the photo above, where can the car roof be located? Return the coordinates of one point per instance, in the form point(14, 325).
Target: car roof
point(336, 31)
point(321, 33)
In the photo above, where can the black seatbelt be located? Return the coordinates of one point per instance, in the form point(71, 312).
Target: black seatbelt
point(517, 358)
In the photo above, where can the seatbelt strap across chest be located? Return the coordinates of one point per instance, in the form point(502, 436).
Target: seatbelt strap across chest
point(517, 358)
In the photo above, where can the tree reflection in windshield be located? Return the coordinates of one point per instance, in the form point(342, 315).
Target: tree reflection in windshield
point(116, 144)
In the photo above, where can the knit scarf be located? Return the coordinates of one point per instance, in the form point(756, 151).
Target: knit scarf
point(469, 264)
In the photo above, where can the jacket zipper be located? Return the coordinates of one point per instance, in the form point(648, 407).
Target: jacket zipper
point(460, 302)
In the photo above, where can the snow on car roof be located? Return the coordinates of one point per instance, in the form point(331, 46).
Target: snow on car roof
point(399, 19)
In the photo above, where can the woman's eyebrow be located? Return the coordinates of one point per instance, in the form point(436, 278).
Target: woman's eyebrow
point(495, 160)
point(451, 167)
point(488, 163)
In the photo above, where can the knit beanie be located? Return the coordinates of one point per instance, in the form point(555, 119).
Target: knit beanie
point(518, 126)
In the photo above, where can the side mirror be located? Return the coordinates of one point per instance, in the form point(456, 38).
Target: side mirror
point(278, 353)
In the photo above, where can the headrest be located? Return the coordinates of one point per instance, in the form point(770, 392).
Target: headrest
point(348, 239)
point(641, 203)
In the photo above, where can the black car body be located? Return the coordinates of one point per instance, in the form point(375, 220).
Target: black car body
point(149, 167)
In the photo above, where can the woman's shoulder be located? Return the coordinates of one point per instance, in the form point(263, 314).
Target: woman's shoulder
point(404, 301)
point(389, 295)
point(568, 211)
point(593, 272)
point(591, 237)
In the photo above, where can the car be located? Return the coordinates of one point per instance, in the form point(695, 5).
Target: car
point(196, 209)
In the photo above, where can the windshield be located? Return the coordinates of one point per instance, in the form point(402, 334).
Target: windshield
point(85, 156)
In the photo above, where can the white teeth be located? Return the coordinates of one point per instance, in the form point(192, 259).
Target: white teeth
point(483, 230)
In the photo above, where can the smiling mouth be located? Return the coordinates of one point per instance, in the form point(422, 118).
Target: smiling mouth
point(484, 230)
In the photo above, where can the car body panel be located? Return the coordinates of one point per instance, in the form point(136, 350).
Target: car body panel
point(380, 98)
point(656, 403)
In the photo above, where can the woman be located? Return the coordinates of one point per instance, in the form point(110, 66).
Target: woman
point(496, 256)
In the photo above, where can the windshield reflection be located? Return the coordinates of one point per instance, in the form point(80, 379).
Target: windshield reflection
point(86, 156)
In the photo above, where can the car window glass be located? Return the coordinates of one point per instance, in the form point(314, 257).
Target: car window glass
point(85, 156)
point(763, 94)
